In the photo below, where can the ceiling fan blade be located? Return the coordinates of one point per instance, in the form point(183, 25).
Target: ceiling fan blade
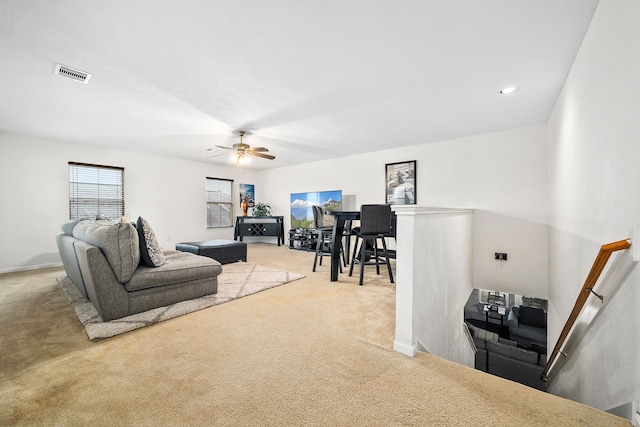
point(264, 156)
point(218, 154)
point(226, 148)
point(258, 149)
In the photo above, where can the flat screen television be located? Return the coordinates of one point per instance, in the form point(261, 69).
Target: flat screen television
point(301, 212)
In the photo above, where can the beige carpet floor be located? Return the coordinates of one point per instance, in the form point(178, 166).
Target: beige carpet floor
point(307, 353)
point(237, 280)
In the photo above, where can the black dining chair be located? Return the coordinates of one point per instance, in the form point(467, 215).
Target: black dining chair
point(392, 234)
point(375, 224)
point(323, 244)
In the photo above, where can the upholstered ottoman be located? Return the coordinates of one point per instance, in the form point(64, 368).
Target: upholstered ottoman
point(223, 251)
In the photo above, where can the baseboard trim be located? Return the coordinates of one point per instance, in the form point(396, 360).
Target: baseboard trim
point(30, 267)
point(409, 350)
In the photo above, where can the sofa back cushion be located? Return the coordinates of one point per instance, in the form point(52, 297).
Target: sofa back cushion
point(513, 352)
point(532, 316)
point(482, 334)
point(118, 242)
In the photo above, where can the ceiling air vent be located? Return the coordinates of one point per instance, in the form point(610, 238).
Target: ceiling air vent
point(72, 73)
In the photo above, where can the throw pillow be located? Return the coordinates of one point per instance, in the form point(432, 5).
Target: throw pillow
point(150, 253)
point(512, 318)
point(483, 334)
point(68, 226)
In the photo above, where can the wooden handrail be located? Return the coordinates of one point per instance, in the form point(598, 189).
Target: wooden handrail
point(587, 288)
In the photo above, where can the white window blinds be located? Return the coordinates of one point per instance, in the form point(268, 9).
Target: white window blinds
point(219, 203)
point(95, 190)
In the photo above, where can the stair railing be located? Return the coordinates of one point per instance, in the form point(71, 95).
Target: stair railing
point(587, 289)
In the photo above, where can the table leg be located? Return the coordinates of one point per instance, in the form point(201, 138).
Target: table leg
point(236, 229)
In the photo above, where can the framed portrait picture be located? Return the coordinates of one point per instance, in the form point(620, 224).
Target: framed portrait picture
point(400, 183)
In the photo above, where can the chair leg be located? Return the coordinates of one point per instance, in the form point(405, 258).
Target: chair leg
point(318, 248)
point(346, 247)
point(347, 241)
point(360, 255)
point(375, 254)
point(343, 252)
point(386, 257)
point(353, 257)
point(363, 255)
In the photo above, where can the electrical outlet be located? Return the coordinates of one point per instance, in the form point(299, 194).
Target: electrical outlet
point(501, 256)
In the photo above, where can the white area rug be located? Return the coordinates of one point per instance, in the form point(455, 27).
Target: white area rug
point(236, 281)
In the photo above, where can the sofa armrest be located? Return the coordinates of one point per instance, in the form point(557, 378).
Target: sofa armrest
point(67, 251)
point(481, 360)
point(105, 292)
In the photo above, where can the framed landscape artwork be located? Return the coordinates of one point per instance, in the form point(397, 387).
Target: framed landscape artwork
point(301, 212)
point(400, 183)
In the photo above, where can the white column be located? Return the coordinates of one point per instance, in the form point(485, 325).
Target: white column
point(434, 280)
point(405, 250)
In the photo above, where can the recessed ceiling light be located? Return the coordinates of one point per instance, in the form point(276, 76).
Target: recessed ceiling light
point(508, 90)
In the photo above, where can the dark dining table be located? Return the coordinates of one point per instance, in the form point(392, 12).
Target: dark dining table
point(340, 217)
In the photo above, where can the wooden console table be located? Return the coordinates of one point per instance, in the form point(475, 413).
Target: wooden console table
point(258, 226)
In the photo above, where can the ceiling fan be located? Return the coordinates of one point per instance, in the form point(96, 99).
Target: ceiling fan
point(243, 150)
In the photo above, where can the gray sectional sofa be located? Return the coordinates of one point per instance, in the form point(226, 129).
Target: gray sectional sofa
point(103, 260)
point(504, 358)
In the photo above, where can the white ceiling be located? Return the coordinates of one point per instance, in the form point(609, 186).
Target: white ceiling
point(309, 79)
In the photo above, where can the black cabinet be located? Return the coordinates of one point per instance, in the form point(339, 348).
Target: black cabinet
point(303, 239)
point(251, 226)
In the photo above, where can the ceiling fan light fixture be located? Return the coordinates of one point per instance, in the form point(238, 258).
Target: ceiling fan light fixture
point(244, 151)
point(240, 159)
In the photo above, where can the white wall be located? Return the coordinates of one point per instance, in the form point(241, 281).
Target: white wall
point(434, 280)
point(594, 187)
point(34, 194)
point(503, 176)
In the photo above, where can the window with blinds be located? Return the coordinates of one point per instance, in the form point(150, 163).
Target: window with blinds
point(219, 203)
point(95, 190)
